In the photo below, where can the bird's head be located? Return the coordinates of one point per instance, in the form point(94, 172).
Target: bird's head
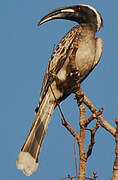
point(82, 14)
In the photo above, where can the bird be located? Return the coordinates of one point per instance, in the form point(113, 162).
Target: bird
point(72, 60)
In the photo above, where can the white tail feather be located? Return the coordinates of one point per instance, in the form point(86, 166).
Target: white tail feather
point(26, 163)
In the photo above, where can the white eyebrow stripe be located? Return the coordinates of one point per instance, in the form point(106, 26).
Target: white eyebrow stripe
point(97, 14)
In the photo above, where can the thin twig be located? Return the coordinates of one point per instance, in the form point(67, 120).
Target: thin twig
point(90, 147)
point(101, 119)
point(69, 177)
point(94, 115)
point(57, 103)
point(69, 128)
point(94, 178)
point(64, 122)
point(75, 155)
point(115, 167)
point(95, 175)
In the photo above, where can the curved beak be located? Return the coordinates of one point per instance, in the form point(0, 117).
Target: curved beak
point(82, 13)
point(60, 13)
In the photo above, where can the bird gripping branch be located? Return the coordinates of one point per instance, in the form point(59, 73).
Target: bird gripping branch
point(80, 42)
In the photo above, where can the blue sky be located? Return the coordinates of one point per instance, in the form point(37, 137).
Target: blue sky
point(24, 53)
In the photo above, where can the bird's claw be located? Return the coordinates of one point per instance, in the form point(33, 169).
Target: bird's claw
point(74, 74)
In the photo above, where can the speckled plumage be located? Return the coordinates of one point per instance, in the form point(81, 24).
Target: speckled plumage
point(78, 51)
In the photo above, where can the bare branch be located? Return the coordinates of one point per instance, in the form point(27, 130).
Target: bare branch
point(94, 116)
point(81, 143)
point(101, 119)
point(69, 128)
point(94, 178)
point(95, 175)
point(75, 155)
point(115, 167)
point(90, 148)
point(69, 177)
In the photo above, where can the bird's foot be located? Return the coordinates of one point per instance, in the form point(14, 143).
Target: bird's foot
point(74, 74)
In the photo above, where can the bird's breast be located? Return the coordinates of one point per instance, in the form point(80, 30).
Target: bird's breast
point(85, 56)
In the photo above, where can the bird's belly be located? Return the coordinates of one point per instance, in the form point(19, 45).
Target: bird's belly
point(84, 60)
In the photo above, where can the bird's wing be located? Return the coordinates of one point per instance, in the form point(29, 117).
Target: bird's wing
point(57, 59)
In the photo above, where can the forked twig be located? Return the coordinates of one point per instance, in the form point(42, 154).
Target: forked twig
point(92, 142)
point(69, 128)
point(94, 178)
point(81, 138)
point(94, 116)
point(69, 177)
point(101, 119)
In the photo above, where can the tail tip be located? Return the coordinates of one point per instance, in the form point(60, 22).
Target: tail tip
point(26, 163)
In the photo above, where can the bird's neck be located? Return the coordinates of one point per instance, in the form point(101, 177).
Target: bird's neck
point(86, 31)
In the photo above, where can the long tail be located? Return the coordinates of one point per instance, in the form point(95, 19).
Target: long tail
point(28, 157)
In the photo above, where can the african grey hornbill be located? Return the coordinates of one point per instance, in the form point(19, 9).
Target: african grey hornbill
point(77, 53)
